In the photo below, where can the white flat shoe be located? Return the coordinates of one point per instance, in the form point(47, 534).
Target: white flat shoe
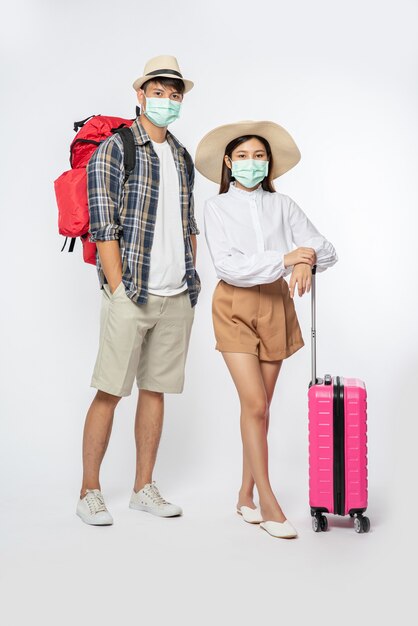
point(284, 530)
point(252, 516)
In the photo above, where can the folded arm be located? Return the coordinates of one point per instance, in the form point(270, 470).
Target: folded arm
point(235, 267)
point(304, 233)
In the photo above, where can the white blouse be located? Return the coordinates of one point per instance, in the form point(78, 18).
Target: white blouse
point(249, 232)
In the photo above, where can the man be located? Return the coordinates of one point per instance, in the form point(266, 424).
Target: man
point(145, 233)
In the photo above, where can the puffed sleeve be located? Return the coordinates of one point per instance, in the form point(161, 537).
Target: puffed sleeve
point(305, 234)
point(232, 265)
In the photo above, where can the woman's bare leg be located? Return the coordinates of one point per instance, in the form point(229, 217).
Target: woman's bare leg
point(245, 370)
point(269, 371)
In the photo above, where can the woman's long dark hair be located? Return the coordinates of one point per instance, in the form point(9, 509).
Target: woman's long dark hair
point(226, 176)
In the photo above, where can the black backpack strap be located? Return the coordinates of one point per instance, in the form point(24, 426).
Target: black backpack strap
point(129, 152)
point(72, 244)
point(80, 124)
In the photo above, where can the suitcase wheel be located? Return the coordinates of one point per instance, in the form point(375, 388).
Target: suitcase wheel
point(319, 523)
point(361, 524)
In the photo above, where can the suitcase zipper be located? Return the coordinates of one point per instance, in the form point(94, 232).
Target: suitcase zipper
point(339, 460)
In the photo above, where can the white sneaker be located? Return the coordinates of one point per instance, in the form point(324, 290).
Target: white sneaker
point(150, 500)
point(92, 509)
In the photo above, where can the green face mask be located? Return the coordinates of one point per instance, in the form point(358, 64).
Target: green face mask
point(250, 172)
point(162, 111)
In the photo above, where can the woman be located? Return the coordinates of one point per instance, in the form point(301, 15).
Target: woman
point(251, 230)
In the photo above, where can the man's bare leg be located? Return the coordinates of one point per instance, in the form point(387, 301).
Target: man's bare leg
point(97, 430)
point(148, 427)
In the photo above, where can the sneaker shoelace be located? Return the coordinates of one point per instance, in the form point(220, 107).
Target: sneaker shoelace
point(95, 502)
point(155, 495)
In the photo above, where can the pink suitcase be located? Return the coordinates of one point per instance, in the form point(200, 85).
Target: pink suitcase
point(337, 444)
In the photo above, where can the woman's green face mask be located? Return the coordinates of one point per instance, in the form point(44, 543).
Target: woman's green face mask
point(249, 172)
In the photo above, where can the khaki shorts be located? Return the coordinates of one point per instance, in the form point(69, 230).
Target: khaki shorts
point(258, 320)
point(147, 341)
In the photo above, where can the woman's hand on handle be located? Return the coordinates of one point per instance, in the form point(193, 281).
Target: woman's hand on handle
point(302, 277)
point(300, 255)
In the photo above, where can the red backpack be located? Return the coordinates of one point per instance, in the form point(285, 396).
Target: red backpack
point(71, 186)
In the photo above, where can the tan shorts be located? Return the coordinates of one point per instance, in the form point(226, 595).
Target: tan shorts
point(147, 341)
point(259, 320)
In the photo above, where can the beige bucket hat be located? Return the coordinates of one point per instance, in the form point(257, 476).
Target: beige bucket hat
point(211, 149)
point(163, 65)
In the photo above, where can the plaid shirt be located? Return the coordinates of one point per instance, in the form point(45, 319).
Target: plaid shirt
point(128, 212)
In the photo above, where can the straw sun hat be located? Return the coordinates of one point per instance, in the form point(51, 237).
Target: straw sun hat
point(162, 66)
point(211, 149)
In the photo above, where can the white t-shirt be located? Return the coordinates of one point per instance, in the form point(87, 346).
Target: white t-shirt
point(249, 232)
point(167, 275)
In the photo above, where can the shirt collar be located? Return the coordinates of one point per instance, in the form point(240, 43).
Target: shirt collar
point(141, 137)
point(235, 191)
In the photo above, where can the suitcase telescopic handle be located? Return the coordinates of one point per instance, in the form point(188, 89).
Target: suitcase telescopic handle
point(313, 327)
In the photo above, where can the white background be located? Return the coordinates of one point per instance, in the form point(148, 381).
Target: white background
point(341, 77)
